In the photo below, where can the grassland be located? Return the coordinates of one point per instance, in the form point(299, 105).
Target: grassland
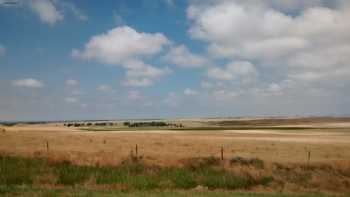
point(129, 175)
point(198, 177)
point(260, 159)
point(77, 192)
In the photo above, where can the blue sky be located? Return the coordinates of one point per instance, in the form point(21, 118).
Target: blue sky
point(64, 59)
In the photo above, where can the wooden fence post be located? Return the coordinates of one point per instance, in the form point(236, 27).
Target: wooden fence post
point(222, 153)
point(136, 150)
point(47, 146)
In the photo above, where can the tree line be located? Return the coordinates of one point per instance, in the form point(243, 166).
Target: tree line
point(90, 124)
point(152, 124)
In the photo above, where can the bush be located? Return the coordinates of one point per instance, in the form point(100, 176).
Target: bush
point(146, 124)
point(101, 124)
point(201, 162)
point(258, 163)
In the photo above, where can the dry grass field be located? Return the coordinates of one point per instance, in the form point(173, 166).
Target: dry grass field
point(283, 145)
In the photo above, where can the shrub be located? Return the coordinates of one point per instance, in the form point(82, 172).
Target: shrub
point(258, 163)
point(201, 162)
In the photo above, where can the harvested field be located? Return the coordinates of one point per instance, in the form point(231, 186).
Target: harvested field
point(168, 147)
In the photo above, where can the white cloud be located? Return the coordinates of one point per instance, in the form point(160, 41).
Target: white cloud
point(71, 100)
point(190, 92)
point(121, 44)
point(301, 41)
point(72, 82)
point(2, 50)
point(224, 95)
point(172, 99)
point(134, 95)
point(206, 84)
point(53, 11)
point(182, 57)
point(232, 71)
point(70, 7)
point(238, 31)
point(139, 74)
point(274, 87)
point(77, 92)
point(47, 11)
point(104, 88)
point(126, 47)
point(28, 83)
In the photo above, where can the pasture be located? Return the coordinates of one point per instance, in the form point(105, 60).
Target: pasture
point(292, 156)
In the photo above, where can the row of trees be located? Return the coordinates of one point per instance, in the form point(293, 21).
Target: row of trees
point(90, 124)
point(151, 124)
point(128, 124)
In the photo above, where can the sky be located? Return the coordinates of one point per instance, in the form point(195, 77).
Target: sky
point(70, 60)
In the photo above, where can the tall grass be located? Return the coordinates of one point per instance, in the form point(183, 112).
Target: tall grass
point(34, 191)
point(68, 174)
point(18, 171)
point(129, 175)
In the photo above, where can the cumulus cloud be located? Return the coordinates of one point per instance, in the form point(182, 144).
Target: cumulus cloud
point(232, 71)
point(299, 41)
point(224, 95)
point(104, 88)
point(70, 7)
point(182, 57)
point(72, 82)
point(234, 30)
point(140, 74)
point(126, 47)
point(134, 95)
point(71, 100)
point(172, 99)
point(206, 84)
point(47, 11)
point(190, 92)
point(28, 83)
point(121, 44)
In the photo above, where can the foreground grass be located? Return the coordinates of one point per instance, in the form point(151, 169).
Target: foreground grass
point(76, 192)
point(130, 175)
point(198, 177)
